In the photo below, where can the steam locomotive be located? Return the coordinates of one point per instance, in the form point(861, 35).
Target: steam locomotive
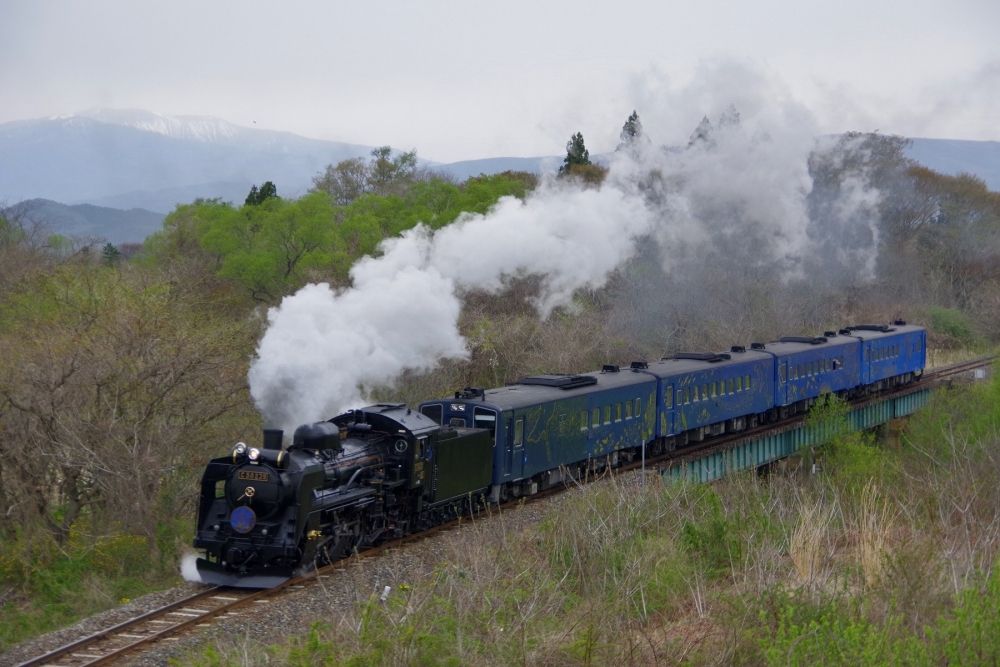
point(384, 471)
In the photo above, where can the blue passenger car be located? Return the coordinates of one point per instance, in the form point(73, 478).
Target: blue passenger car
point(807, 367)
point(711, 394)
point(890, 354)
point(546, 421)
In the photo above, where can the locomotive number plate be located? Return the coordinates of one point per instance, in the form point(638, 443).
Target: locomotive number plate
point(253, 475)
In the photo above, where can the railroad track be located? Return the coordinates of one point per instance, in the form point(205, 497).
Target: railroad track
point(167, 622)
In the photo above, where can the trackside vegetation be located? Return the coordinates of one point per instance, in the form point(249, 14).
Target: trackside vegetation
point(123, 371)
point(887, 557)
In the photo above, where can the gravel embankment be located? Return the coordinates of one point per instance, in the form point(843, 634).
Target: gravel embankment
point(291, 613)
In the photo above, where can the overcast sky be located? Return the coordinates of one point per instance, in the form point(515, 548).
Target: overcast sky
point(463, 80)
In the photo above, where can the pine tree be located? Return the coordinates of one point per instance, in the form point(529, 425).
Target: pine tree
point(256, 197)
point(576, 154)
point(631, 130)
point(632, 136)
point(111, 255)
point(702, 133)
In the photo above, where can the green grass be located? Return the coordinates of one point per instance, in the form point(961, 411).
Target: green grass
point(48, 585)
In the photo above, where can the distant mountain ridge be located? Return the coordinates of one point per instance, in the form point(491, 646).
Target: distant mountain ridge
point(88, 221)
point(107, 153)
point(132, 159)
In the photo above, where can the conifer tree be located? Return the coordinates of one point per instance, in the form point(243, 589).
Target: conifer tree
point(576, 154)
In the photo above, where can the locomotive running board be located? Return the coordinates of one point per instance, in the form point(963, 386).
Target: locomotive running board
point(212, 573)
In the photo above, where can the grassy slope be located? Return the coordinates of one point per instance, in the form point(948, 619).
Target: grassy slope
point(886, 558)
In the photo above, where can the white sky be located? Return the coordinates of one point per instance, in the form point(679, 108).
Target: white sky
point(464, 80)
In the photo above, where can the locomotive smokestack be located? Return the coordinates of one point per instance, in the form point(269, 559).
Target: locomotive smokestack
point(273, 437)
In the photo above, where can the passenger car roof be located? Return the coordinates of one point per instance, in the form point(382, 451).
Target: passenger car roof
point(523, 395)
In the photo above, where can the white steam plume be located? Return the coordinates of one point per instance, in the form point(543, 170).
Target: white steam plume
point(738, 196)
point(322, 348)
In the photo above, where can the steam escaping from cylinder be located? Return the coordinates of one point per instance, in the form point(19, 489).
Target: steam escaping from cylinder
point(189, 568)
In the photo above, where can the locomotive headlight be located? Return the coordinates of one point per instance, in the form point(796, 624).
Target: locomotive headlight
point(241, 447)
point(254, 454)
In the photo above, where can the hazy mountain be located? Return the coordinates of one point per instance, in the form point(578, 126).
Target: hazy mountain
point(96, 222)
point(100, 154)
point(954, 156)
point(127, 159)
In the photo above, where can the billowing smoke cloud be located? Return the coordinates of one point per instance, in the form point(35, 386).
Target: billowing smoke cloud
point(738, 193)
point(323, 348)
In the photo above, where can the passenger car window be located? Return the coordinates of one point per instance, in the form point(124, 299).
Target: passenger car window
point(739, 383)
point(583, 420)
point(519, 431)
point(628, 409)
point(618, 412)
point(638, 404)
point(715, 389)
point(687, 396)
point(607, 414)
point(485, 418)
point(746, 382)
point(595, 417)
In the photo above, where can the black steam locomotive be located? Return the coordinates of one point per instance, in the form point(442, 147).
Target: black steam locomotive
point(348, 484)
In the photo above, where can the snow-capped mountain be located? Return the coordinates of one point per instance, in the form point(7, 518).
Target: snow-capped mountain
point(196, 128)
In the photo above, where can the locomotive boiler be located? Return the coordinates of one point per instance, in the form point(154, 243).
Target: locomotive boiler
point(348, 484)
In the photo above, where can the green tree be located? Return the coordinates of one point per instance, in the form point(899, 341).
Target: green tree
point(111, 255)
point(257, 197)
point(632, 135)
point(384, 174)
point(576, 154)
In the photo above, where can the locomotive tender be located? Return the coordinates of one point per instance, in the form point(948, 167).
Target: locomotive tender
point(384, 471)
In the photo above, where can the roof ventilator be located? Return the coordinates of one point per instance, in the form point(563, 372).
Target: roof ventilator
point(883, 328)
point(560, 381)
point(710, 357)
point(639, 365)
point(737, 348)
point(809, 340)
point(610, 368)
point(756, 346)
point(830, 334)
